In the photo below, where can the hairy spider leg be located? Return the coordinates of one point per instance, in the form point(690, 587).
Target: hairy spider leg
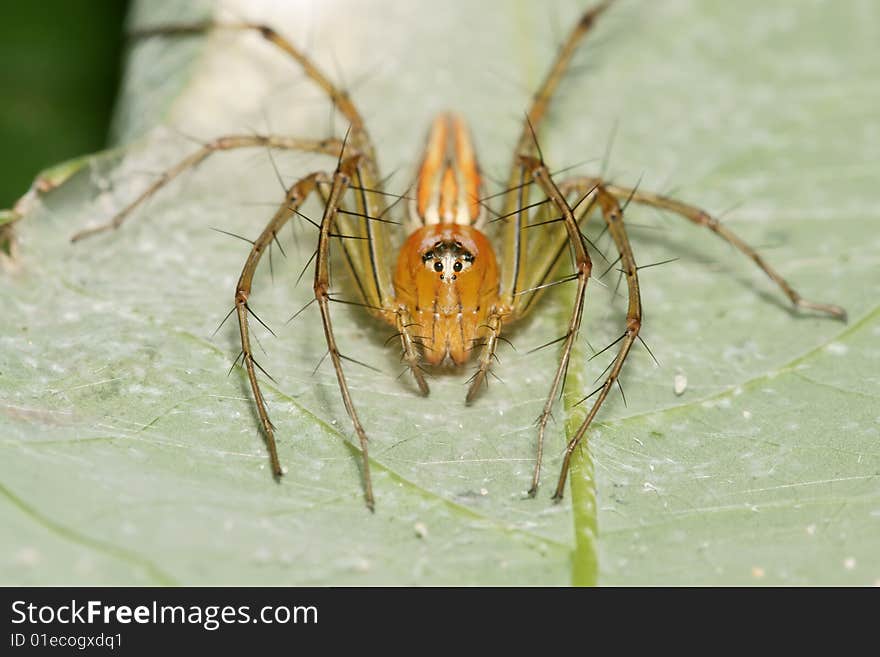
point(703, 218)
point(332, 147)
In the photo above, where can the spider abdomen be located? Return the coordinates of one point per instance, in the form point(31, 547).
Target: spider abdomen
point(448, 185)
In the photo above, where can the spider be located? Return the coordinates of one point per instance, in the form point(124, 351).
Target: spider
point(450, 293)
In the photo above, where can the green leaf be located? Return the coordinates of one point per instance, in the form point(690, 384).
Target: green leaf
point(129, 455)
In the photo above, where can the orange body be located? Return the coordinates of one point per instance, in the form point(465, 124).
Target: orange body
point(447, 277)
point(448, 184)
point(447, 273)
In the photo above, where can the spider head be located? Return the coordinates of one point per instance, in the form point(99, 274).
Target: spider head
point(448, 258)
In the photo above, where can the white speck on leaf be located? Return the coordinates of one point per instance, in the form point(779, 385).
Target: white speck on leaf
point(361, 565)
point(679, 384)
point(837, 348)
point(27, 556)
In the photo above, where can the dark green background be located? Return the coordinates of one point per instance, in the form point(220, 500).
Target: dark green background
point(60, 69)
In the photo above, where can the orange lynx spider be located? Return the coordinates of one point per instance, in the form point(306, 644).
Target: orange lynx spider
point(449, 294)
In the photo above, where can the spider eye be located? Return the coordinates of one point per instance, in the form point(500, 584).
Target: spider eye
point(438, 266)
point(457, 266)
point(429, 255)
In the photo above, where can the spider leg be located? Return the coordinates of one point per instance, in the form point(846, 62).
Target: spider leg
point(359, 139)
point(345, 173)
point(328, 146)
point(541, 99)
point(294, 198)
point(583, 267)
point(411, 343)
point(514, 238)
point(613, 215)
point(559, 377)
point(487, 354)
point(702, 218)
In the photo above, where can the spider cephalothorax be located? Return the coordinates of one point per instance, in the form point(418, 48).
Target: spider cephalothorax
point(447, 277)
